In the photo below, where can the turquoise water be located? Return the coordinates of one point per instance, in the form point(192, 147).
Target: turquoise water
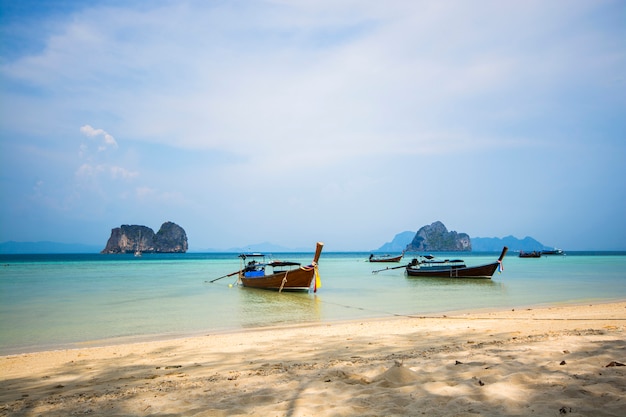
point(55, 301)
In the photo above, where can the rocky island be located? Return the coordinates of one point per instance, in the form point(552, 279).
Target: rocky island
point(436, 237)
point(171, 238)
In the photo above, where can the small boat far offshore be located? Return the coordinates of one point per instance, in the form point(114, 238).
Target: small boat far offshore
point(284, 275)
point(454, 269)
point(555, 251)
point(385, 258)
point(533, 254)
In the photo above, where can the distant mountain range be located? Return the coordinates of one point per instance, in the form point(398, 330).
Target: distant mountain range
point(479, 244)
point(494, 244)
point(12, 247)
point(267, 247)
point(397, 245)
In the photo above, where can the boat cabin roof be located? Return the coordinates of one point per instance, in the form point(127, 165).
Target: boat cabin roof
point(252, 255)
point(243, 256)
point(280, 263)
point(434, 260)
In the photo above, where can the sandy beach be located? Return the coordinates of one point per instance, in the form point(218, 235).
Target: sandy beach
point(563, 360)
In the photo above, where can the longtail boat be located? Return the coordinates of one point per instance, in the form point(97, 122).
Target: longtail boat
point(385, 258)
point(533, 254)
point(453, 269)
point(429, 263)
point(279, 275)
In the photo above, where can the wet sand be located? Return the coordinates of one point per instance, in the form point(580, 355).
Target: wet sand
point(563, 360)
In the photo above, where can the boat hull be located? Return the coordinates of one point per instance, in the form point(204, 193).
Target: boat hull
point(485, 271)
point(393, 259)
point(292, 280)
point(480, 272)
point(297, 279)
point(534, 254)
point(552, 252)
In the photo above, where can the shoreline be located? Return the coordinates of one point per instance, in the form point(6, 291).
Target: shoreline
point(521, 361)
point(148, 338)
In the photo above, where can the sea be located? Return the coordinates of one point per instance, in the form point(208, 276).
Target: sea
point(62, 301)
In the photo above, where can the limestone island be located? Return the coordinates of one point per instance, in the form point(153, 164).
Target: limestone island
point(436, 237)
point(171, 238)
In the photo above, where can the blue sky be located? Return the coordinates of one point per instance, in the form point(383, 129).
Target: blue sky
point(293, 122)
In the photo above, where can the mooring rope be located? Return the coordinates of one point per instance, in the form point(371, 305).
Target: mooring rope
point(282, 285)
point(461, 316)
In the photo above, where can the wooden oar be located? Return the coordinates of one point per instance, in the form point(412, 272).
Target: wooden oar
point(225, 276)
point(385, 269)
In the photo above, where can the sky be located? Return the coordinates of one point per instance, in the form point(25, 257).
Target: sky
point(293, 122)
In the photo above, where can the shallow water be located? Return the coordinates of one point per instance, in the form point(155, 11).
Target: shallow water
point(52, 301)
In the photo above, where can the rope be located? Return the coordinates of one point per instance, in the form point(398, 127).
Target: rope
point(447, 317)
point(282, 285)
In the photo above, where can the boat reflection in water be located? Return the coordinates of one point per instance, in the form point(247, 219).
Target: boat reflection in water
point(260, 308)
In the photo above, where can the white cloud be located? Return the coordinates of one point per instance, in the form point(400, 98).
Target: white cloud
point(145, 192)
point(111, 171)
point(260, 79)
point(325, 98)
point(151, 194)
point(121, 173)
point(88, 170)
point(107, 139)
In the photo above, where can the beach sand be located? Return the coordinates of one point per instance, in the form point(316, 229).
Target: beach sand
point(564, 360)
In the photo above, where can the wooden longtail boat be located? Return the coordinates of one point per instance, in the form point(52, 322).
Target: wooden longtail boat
point(453, 269)
point(385, 258)
point(533, 254)
point(429, 263)
point(283, 276)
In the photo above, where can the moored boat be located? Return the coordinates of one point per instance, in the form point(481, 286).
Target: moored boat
point(431, 263)
point(453, 269)
point(533, 254)
point(554, 251)
point(279, 275)
point(385, 258)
